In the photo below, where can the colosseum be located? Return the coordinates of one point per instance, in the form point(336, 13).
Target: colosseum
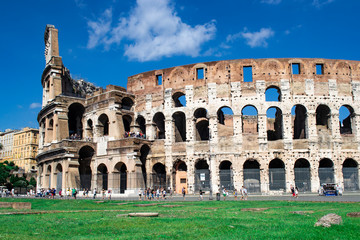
point(265, 124)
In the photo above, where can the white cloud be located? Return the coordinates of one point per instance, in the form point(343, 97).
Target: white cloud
point(253, 39)
point(273, 2)
point(153, 30)
point(35, 105)
point(320, 3)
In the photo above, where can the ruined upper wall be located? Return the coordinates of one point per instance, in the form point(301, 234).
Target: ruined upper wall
point(269, 70)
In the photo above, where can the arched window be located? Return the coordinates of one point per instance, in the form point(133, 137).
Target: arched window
point(225, 122)
point(274, 124)
point(226, 175)
point(201, 124)
point(252, 175)
point(159, 176)
point(126, 103)
point(141, 123)
point(249, 118)
point(272, 94)
point(323, 116)
point(75, 115)
point(202, 176)
point(104, 124)
point(277, 175)
point(346, 119)
point(179, 120)
point(127, 122)
point(179, 99)
point(159, 120)
point(299, 117)
point(351, 175)
point(302, 175)
point(326, 171)
point(102, 177)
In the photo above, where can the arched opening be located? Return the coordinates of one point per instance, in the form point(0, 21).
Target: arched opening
point(144, 152)
point(225, 122)
point(299, 119)
point(51, 130)
point(252, 175)
point(272, 94)
point(346, 119)
point(126, 103)
point(226, 175)
point(85, 157)
point(202, 176)
point(159, 121)
point(120, 177)
point(201, 124)
point(140, 121)
point(249, 118)
point(326, 171)
point(59, 171)
point(159, 176)
point(127, 122)
point(102, 177)
point(75, 115)
point(302, 175)
point(323, 117)
point(48, 177)
point(351, 175)
point(179, 120)
point(277, 175)
point(103, 125)
point(180, 170)
point(179, 99)
point(274, 124)
point(90, 129)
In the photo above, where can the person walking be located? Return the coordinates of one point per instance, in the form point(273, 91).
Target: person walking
point(201, 194)
point(235, 194)
point(94, 193)
point(224, 193)
point(183, 192)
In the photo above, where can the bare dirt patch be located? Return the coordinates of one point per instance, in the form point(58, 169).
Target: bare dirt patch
point(353, 214)
point(254, 209)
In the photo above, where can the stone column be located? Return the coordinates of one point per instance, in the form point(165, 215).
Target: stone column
point(314, 171)
point(262, 126)
point(214, 173)
point(289, 175)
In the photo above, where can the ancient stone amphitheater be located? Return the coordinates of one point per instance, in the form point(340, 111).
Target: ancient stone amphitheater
point(265, 124)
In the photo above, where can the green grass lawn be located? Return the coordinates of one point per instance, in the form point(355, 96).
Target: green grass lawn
point(193, 220)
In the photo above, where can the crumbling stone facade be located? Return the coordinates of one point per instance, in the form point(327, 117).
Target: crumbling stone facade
point(266, 124)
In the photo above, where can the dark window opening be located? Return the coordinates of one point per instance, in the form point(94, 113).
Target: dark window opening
point(299, 117)
point(75, 115)
point(102, 177)
point(200, 73)
point(159, 120)
point(295, 67)
point(126, 103)
point(180, 126)
point(127, 122)
point(323, 116)
point(159, 176)
point(274, 124)
point(319, 69)
point(201, 124)
point(277, 175)
point(141, 122)
point(85, 157)
point(251, 175)
point(144, 152)
point(104, 124)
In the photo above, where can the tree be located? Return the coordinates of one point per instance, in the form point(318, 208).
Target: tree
point(6, 169)
point(32, 181)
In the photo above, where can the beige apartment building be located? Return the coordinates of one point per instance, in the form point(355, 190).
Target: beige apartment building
point(6, 140)
point(25, 146)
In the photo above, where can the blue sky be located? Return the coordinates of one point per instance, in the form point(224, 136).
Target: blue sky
point(106, 41)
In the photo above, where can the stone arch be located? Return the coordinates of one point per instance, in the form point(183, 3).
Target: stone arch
point(59, 177)
point(127, 119)
point(274, 119)
point(103, 125)
point(86, 154)
point(159, 121)
point(144, 152)
point(326, 171)
point(302, 175)
point(159, 176)
point(249, 118)
point(273, 94)
point(323, 114)
point(127, 103)
point(226, 175)
point(90, 128)
point(120, 177)
point(225, 121)
point(179, 74)
point(179, 99)
point(202, 175)
point(201, 124)
point(277, 175)
point(179, 121)
point(350, 172)
point(102, 176)
point(299, 119)
point(346, 119)
point(342, 68)
point(48, 177)
point(179, 176)
point(75, 115)
point(140, 121)
point(251, 175)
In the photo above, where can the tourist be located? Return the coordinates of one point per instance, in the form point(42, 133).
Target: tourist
point(292, 189)
point(139, 194)
point(245, 193)
point(235, 194)
point(103, 194)
point(164, 193)
point(109, 194)
point(296, 192)
point(224, 193)
point(201, 194)
point(183, 192)
point(94, 193)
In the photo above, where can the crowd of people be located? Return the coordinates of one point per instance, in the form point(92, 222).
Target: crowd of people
point(134, 134)
point(154, 194)
point(243, 193)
